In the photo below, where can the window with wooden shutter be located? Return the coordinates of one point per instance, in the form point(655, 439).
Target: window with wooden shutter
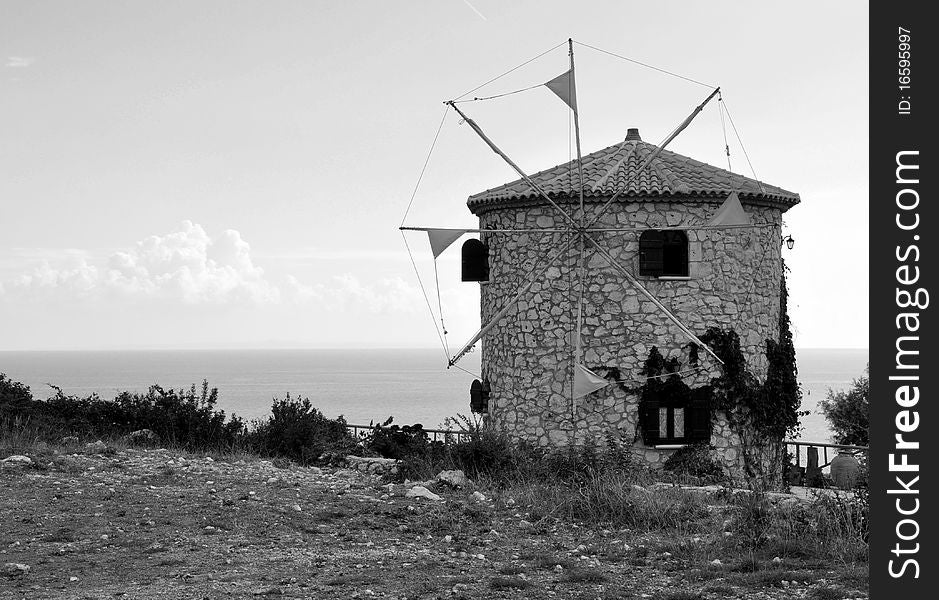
point(475, 263)
point(700, 420)
point(681, 419)
point(663, 253)
point(649, 421)
point(650, 253)
point(479, 396)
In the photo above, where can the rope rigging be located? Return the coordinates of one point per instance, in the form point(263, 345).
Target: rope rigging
point(579, 229)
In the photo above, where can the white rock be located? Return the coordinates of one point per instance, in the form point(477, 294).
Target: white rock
point(419, 491)
point(95, 447)
point(479, 497)
point(716, 562)
point(15, 569)
point(17, 459)
point(776, 560)
point(455, 478)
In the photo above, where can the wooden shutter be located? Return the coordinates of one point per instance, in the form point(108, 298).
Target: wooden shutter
point(698, 418)
point(479, 396)
point(649, 421)
point(651, 244)
point(476, 396)
point(475, 265)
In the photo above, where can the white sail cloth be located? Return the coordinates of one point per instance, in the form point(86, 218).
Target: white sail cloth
point(440, 239)
point(586, 381)
point(730, 213)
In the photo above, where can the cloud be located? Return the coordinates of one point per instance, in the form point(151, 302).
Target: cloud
point(185, 265)
point(19, 62)
point(191, 267)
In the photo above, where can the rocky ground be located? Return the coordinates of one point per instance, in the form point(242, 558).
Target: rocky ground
point(140, 523)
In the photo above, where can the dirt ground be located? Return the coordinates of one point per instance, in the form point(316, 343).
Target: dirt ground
point(157, 524)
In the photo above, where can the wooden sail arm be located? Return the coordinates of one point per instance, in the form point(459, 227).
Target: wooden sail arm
point(642, 289)
point(505, 309)
point(512, 164)
point(648, 161)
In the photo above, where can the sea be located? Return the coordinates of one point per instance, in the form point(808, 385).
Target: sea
point(365, 386)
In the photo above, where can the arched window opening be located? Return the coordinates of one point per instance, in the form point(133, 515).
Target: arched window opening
point(663, 253)
point(475, 256)
point(479, 396)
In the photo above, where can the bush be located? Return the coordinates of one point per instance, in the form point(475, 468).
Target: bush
point(695, 461)
point(298, 431)
point(849, 412)
point(392, 441)
point(186, 418)
point(14, 397)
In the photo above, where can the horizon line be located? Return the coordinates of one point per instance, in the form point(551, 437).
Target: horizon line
point(270, 348)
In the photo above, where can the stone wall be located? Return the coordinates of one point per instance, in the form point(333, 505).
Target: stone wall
point(734, 283)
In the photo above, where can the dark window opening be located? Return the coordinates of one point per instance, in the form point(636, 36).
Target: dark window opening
point(663, 254)
point(479, 396)
point(675, 422)
point(475, 265)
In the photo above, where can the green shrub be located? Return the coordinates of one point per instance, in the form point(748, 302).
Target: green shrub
point(186, 418)
point(482, 451)
point(849, 412)
point(695, 461)
point(393, 441)
point(298, 431)
point(14, 397)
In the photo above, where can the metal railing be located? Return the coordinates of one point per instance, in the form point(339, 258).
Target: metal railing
point(436, 435)
point(798, 446)
point(807, 454)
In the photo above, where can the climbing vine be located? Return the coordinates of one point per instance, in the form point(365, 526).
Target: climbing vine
point(760, 413)
point(771, 407)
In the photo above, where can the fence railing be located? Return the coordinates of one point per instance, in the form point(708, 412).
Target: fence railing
point(436, 435)
point(799, 445)
point(808, 466)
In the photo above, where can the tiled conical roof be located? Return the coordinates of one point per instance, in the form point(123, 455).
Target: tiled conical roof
point(670, 177)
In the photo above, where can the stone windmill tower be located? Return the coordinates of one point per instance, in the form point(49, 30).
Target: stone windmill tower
point(668, 226)
point(590, 269)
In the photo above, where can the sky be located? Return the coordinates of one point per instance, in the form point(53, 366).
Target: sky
point(232, 174)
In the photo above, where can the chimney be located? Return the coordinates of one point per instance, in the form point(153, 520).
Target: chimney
point(633, 134)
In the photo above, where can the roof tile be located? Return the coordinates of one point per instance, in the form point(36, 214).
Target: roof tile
point(616, 169)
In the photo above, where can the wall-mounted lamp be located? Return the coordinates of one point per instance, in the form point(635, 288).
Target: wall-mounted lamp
point(789, 241)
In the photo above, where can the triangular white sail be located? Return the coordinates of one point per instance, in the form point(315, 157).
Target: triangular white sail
point(586, 381)
point(440, 239)
point(730, 213)
point(563, 86)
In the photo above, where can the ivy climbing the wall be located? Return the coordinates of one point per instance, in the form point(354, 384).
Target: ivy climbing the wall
point(762, 414)
point(771, 407)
